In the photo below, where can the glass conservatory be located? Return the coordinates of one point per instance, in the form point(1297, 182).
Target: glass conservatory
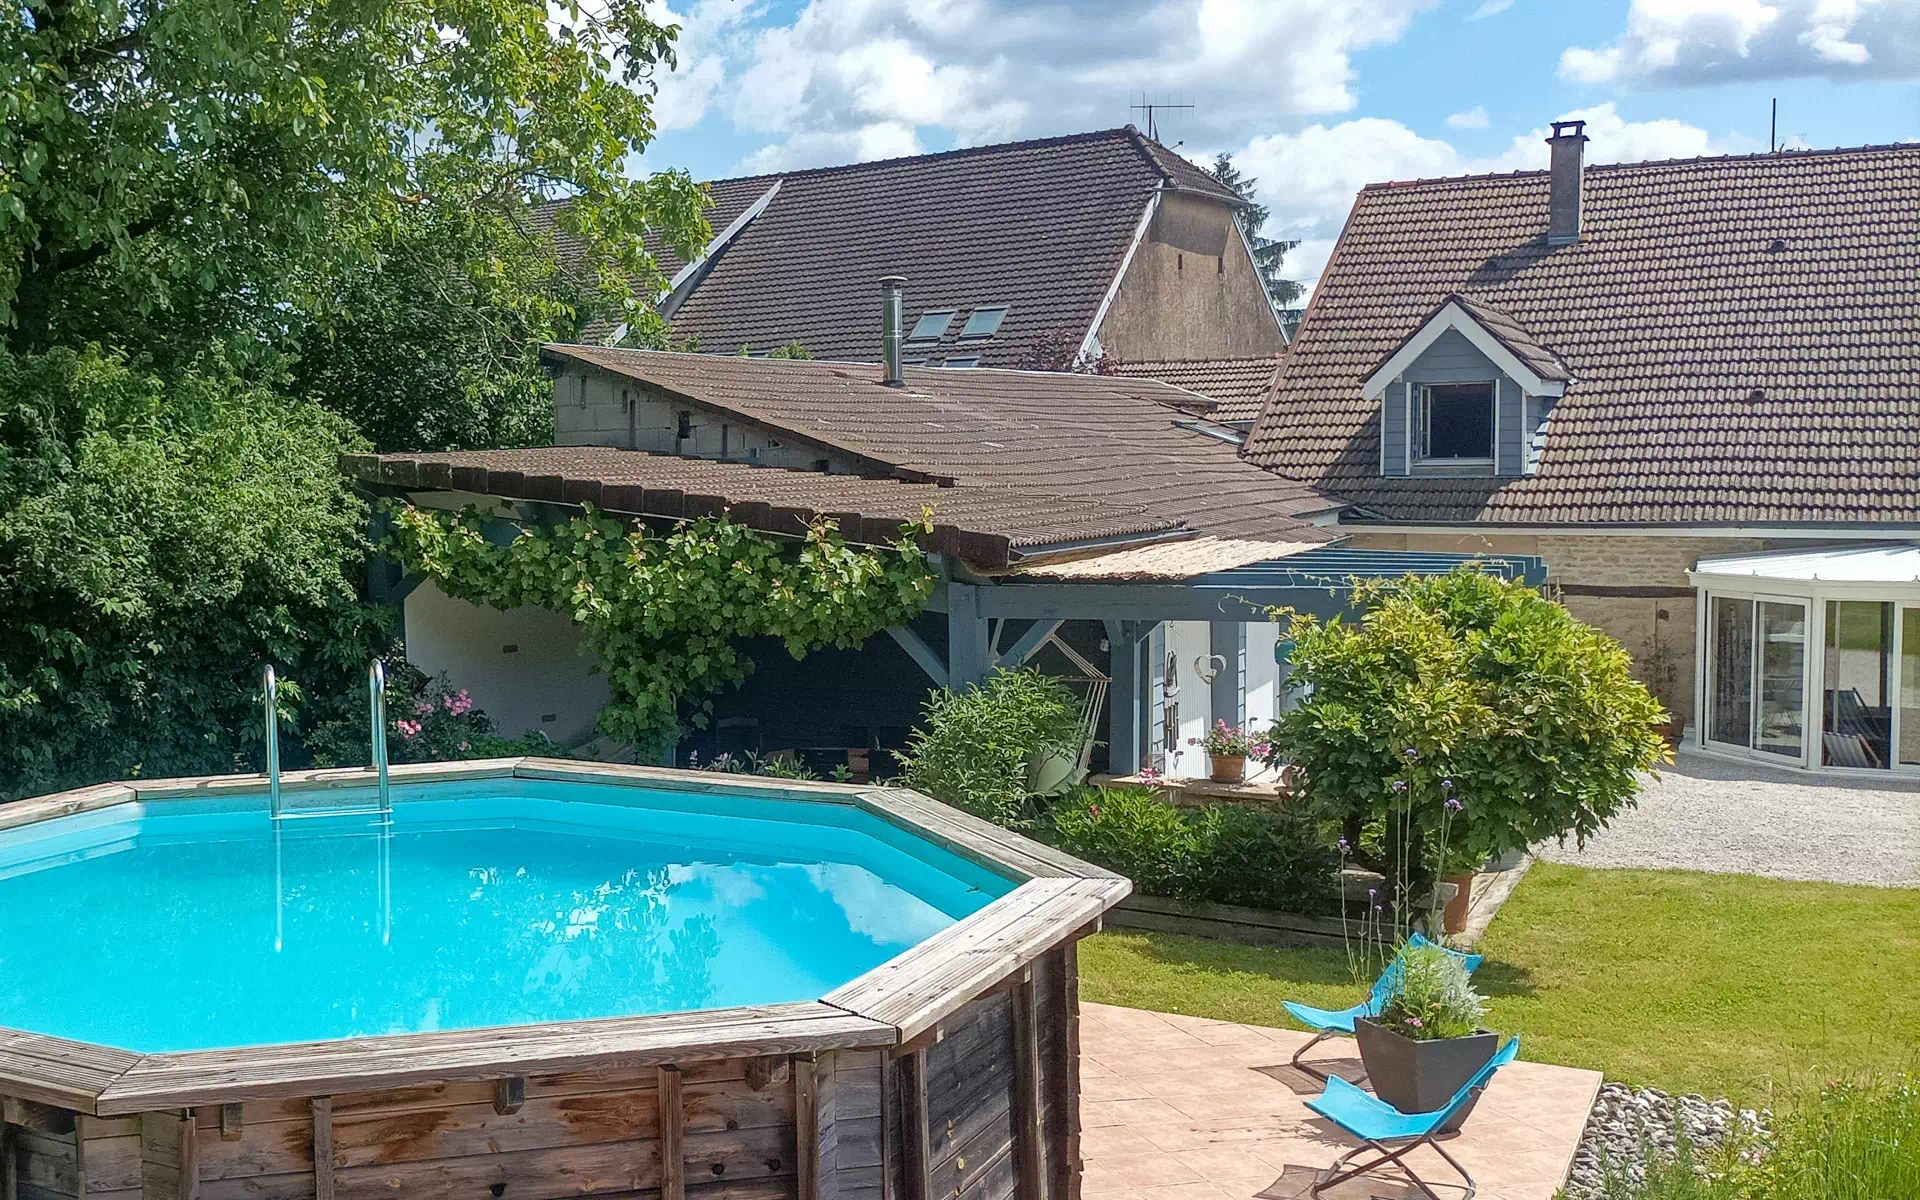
point(1811, 658)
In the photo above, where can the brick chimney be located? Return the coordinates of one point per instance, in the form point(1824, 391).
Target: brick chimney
point(892, 335)
point(1569, 147)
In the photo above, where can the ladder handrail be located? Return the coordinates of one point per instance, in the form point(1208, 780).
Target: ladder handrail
point(377, 716)
point(270, 690)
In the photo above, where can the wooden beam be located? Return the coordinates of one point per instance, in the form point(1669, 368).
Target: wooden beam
point(1066, 1071)
point(673, 1135)
point(1126, 699)
point(232, 1122)
point(815, 1099)
point(913, 1117)
point(510, 1095)
point(80, 1160)
point(918, 650)
point(322, 1147)
point(967, 657)
point(190, 1156)
point(1026, 1089)
point(1029, 642)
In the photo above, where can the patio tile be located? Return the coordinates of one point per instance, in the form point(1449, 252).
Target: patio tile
point(1150, 1170)
point(1221, 1117)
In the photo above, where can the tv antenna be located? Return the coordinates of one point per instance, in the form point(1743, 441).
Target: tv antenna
point(1773, 129)
point(1152, 108)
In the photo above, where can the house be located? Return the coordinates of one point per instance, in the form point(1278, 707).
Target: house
point(1094, 243)
point(1102, 526)
point(1691, 387)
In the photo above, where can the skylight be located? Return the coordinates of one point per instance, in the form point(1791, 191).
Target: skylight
point(985, 322)
point(961, 362)
point(932, 324)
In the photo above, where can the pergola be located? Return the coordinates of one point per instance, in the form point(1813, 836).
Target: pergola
point(1318, 582)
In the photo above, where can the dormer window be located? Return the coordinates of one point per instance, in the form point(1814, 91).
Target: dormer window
point(1457, 423)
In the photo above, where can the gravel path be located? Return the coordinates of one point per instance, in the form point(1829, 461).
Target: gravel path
point(1710, 814)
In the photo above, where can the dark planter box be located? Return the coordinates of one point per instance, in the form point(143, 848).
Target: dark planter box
point(1419, 1077)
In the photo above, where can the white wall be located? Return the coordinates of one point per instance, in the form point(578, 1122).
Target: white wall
point(1263, 675)
point(1189, 644)
point(544, 684)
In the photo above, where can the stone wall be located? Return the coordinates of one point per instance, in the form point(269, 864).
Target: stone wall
point(1191, 290)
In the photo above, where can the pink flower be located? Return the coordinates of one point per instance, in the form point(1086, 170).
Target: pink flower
point(463, 745)
point(1414, 1022)
point(1093, 810)
point(409, 729)
point(459, 704)
point(423, 709)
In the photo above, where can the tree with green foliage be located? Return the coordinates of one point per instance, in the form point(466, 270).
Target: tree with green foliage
point(160, 539)
point(1462, 717)
point(1269, 255)
point(178, 170)
point(663, 616)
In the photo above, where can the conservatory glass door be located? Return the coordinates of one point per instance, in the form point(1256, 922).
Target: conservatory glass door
point(1757, 676)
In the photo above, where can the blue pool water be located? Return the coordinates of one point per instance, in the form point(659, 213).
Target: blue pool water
point(191, 925)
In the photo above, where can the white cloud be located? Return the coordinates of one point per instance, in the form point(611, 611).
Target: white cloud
point(1473, 118)
point(1489, 8)
point(1309, 179)
point(711, 32)
point(1711, 41)
point(852, 74)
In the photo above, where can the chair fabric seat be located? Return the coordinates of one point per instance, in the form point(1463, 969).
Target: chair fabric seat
point(1324, 1020)
point(1365, 1115)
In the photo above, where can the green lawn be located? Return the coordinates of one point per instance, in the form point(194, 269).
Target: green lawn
point(1719, 984)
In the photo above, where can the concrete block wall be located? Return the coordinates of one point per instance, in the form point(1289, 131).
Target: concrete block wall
point(591, 409)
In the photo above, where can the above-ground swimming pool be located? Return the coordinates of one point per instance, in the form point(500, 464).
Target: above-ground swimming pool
point(533, 978)
point(480, 903)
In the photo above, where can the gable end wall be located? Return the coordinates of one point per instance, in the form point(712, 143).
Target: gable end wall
point(1191, 290)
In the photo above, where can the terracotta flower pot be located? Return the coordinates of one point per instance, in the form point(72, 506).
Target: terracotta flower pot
point(1229, 768)
point(1421, 1076)
point(1454, 918)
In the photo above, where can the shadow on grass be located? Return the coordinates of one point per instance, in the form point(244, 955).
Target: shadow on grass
point(1328, 966)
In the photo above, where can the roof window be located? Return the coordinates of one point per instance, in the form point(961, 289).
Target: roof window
point(961, 362)
point(985, 322)
point(931, 324)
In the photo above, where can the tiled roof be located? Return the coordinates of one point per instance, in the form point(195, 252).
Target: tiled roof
point(1743, 336)
point(1082, 439)
point(1238, 386)
point(1514, 336)
point(980, 525)
point(1040, 227)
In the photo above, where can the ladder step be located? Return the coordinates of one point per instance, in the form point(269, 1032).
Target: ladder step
point(304, 814)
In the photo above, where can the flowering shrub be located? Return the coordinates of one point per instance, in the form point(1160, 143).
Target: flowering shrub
point(1464, 710)
point(1232, 741)
point(1220, 854)
point(429, 720)
point(1432, 997)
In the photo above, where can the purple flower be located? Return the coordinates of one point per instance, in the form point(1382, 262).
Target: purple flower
point(1343, 846)
point(1400, 785)
point(1372, 892)
point(1410, 754)
point(1446, 784)
point(1453, 804)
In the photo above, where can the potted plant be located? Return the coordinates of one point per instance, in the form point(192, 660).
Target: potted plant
point(1427, 1041)
point(1228, 747)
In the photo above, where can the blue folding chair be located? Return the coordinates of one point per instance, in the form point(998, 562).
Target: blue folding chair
point(1326, 1022)
point(1377, 1123)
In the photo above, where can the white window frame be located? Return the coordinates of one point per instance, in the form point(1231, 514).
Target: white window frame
point(1425, 455)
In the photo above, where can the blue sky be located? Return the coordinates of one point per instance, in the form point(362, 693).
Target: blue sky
point(1314, 97)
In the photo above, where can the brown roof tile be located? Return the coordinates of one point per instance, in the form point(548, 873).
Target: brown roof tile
point(1081, 439)
point(1238, 386)
point(1743, 336)
point(1040, 227)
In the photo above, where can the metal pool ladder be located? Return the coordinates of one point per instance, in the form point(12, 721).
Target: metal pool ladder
point(377, 721)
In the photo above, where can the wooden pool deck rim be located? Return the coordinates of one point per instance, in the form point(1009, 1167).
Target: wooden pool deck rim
point(900, 1003)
